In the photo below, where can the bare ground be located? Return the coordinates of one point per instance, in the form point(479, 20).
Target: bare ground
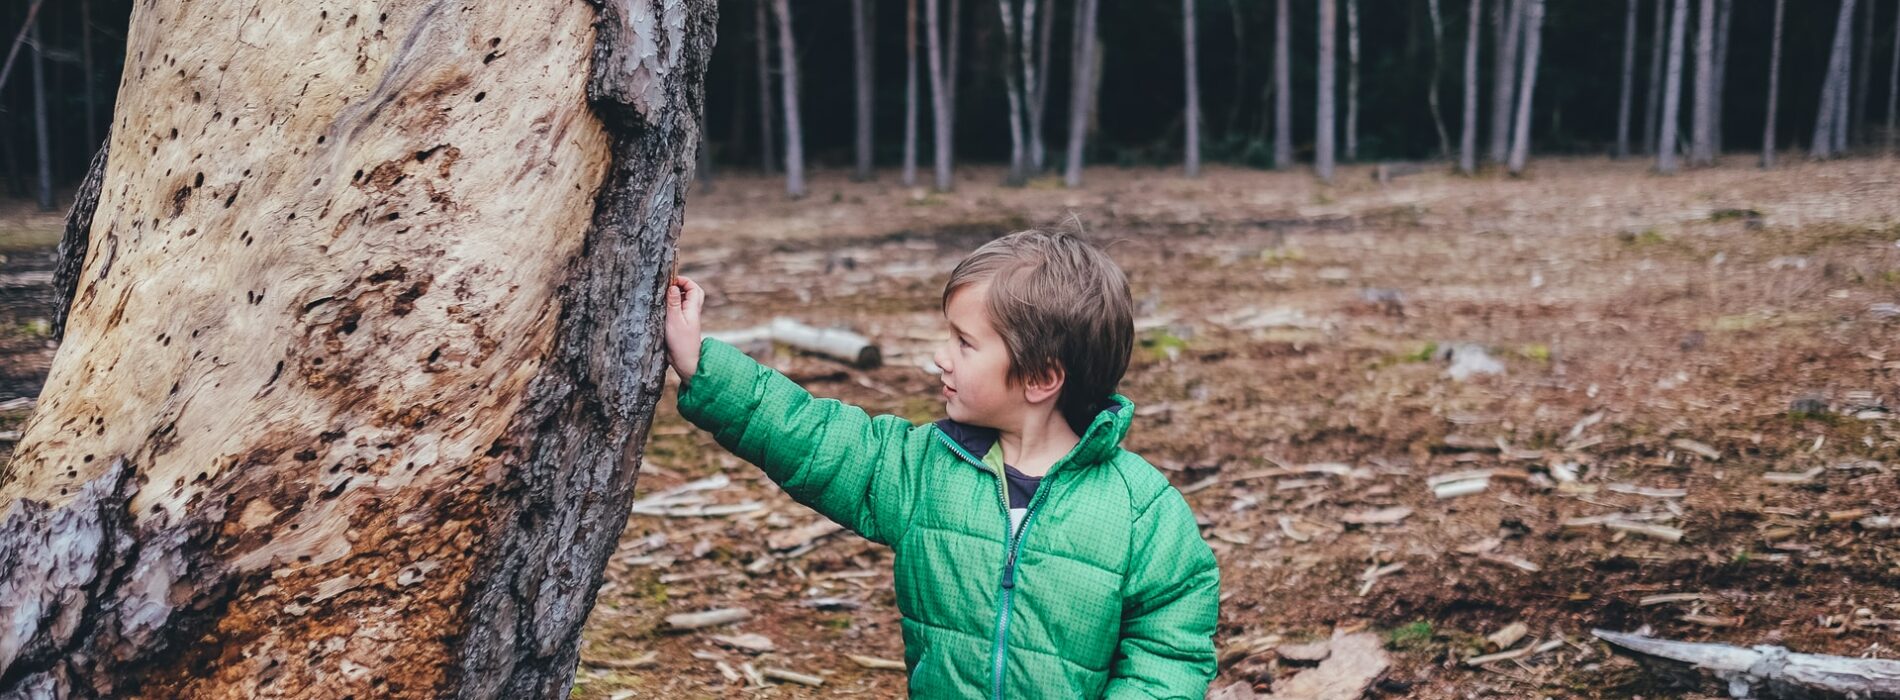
point(1719, 333)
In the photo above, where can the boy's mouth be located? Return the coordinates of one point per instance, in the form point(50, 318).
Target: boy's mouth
point(948, 391)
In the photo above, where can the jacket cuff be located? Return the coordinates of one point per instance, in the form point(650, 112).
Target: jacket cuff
point(722, 374)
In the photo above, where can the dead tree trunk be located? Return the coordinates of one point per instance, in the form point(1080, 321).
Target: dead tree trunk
point(1282, 87)
point(1193, 118)
point(788, 86)
point(910, 93)
point(1508, 21)
point(41, 139)
point(768, 120)
point(1831, 87)
point(1653, 106)
point(410, 485)
point(1629, 82)
point(1533, 39)
point(1352, 83)
point(1323, 113)
point(1431, 94)
point(1702, 122)
point(1468, 136)
point(862, 64)
point(1774, 88)
point(939, 94)
point(1081, 84)
point(1672, 91)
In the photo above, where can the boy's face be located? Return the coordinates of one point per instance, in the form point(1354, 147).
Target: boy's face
point(975, 363)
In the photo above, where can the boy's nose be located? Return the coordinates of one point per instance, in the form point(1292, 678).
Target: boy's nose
point(938, 356)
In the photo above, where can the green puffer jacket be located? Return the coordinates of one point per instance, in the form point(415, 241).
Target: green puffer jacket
point(1106, 591)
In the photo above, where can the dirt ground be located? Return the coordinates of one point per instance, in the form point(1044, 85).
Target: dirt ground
point(1698, 389)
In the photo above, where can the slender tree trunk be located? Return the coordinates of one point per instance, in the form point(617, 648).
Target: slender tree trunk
point(1842, 113)
point(1831, 87)
point(1509, 24)
point(412, 487)
point(910, 93)
point(1893, 89)
point(1702, 124)
point(1323, 116)
point(1774, 89)
point(41, 139)
point(1352, 84)
point(19, 40)
point(768, 119)
point(952, 70)
point(1239, 24)
point(1858, 117)
point(1083, 75)
point(788, 86)
point(1282, 87)
point(939, 94)
point(1468, 136)
point(1653, 106)
point(1629, 82)
point(1533, 39)
point(1018, 153)
point(1431, 95)
point(1724, 14)
point(1193, 117)
point(1031, 82)
point(86, 79)
point(1672, 91)
point(1039, 102)
point(862, 62)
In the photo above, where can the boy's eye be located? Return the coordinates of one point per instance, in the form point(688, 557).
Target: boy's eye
point(963, 341)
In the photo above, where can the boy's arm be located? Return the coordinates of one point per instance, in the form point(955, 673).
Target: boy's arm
point(828, 455)
point(1170, 606)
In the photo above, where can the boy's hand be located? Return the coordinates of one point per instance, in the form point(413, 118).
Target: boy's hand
point(683, 302)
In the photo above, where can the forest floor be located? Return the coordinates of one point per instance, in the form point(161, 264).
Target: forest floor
point(1697, 395)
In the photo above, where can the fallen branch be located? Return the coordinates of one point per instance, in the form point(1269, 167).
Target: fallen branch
point(835, 343)
point(1773, 671)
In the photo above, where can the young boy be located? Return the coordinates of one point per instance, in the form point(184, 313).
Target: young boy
point(1035, 558)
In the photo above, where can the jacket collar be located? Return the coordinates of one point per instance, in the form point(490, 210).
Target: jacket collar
point(1099, 441)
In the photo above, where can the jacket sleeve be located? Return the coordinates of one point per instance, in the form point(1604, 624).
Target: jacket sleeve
point(1171, 603)
point(828, 455)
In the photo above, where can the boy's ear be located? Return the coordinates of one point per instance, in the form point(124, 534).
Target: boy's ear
point(1045, 387)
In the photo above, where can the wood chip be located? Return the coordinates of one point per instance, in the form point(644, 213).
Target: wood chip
point(1374, 573)
point(1310, 652)
point(632, 663)
point(1880, 522)
point(1509, 636)
point(709, 618)
point(1518, 563)
point(1382, 516)
point(874, 663)
point(799, 537)
point(1700, 448)
point(1793, 478)
point(1518, 653)
point(779, 674)
point(1712, 620)
point(748, 642)
point(1286, 527)
point(1662, 598)
point(1650, 530)
point(1646, 491)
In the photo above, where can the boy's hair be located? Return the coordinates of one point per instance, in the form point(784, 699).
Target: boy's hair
point(1058, 302)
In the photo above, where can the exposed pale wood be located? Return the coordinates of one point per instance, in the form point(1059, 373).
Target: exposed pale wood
point(1772, 671)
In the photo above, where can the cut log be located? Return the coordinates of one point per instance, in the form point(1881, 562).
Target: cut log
point(835, 343)
point(709, 618)
point(1771, 671)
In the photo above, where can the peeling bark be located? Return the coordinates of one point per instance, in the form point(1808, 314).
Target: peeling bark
point(353, 393)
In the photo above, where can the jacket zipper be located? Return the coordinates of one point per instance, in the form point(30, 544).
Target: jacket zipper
point(1014, 544)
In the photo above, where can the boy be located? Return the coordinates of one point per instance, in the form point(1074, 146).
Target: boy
point(1034, 557)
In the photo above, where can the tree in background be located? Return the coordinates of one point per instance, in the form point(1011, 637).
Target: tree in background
point(1830, 125)
point(863, 58)
point(1657, 41)
point(1468, 138)
point(1774, 88)
point(1438, 62)
point(1533, 40)
point(1702, 123)
point(788, 86)
point(1193, 116)
point(1672, 91)
point(1893, 83)
point(1282, 87)
point(1629, 83)
point(1082, 79)
point(910, 93)
point(1724, 16)
point(1018, 149)
point(1352, 81)
point(1507, 20)
point(768, 119)
point(940, 98)
point(1323, 125)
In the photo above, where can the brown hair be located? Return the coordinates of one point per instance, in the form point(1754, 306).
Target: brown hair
point(1059, 302)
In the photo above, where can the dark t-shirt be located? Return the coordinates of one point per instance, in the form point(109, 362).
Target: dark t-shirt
point(1022, 487)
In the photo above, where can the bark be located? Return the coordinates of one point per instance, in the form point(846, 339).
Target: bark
point(1323, 113)
point(1468, 138)
point(1629, 82)
point(1509, 24)
point(767, 118)
point(1774, 88)
point(1193, 118)
point(862, 65)
point(1672, 91)
point(788, 86)
point(1724, 16)
point(73, 243)
point(394, 466)
point(1352, 84)
point(1282, 87)
point(1653, 116)
point(1081, 84)
point(910, 93)
point(1018, 151)
point(1823, 145)
point(1431, 94)
point(42, 141)
point(1702, 122)
point(1039, 99)
point(939, 95)
point(1533, 39)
